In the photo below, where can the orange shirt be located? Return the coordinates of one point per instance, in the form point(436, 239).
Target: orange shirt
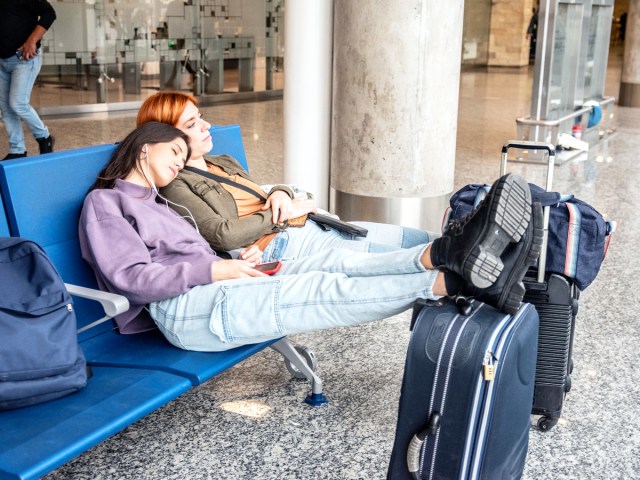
point(246, 202)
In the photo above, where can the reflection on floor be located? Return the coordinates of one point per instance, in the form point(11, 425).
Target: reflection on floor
point(251, 423)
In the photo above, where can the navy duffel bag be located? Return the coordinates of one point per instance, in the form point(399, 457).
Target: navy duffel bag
point(578, 235)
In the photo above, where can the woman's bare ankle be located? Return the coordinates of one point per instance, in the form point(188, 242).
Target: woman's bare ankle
point(439, 286)
point(425, 259)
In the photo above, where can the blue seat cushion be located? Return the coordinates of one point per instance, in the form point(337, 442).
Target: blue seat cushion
point(4, 224)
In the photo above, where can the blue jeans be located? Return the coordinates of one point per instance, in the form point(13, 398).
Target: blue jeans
point(334, 288)
point(16, 81)
point(298, 242)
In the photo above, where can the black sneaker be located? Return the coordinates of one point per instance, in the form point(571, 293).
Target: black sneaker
point(508, 291)
point(472, 247)
point(15, 155)
point(46, 144)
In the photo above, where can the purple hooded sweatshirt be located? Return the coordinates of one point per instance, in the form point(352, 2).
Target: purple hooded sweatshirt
point(141, 249)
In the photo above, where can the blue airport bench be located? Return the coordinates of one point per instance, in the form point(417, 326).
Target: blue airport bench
point(4, 226)
point(133, 374)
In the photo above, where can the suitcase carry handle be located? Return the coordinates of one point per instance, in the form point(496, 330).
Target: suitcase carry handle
point(527, 145)
point(551, 151)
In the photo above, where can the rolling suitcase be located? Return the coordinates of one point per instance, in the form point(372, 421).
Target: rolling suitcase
point(556, 300)
point(466, 393)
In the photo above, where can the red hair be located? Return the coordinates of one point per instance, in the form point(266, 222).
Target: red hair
point(165, 107)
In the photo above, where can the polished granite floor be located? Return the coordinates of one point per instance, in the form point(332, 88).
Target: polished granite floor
point(250, 422)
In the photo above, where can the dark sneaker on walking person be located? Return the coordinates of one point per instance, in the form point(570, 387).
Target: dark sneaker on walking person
point(15, 155)
point(473, 247)
point(508, 291)
point(46, 144)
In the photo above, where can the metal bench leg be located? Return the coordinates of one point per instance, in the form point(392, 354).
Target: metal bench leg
point(289, 352)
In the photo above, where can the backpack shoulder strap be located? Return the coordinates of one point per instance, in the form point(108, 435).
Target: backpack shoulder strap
point(221, 179)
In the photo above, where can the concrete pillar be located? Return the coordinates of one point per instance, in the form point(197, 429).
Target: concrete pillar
point(307, 95)
point(508, 44)
point(630, 84)
point(395, 109)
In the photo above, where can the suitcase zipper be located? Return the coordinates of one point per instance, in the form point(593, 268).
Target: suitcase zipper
point(431, 435)
point(485, 387)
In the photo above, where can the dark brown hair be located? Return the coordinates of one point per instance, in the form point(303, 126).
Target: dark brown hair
point(125, 159)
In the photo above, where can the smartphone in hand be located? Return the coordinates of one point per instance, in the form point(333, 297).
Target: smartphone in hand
point(269, 268)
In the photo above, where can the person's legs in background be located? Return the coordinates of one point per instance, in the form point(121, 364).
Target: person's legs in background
point(22, 75)
point(11, 121)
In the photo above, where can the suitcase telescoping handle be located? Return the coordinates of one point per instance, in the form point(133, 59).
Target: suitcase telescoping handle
point(551, 150)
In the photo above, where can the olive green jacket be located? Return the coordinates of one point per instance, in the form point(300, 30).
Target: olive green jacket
point(215, 210)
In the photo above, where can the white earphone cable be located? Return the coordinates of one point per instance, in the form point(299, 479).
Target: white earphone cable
point(147, 175)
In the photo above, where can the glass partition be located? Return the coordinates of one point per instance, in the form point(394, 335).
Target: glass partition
point(109, 51)
point(597, 50)
point(564, 69)
point(570, 69)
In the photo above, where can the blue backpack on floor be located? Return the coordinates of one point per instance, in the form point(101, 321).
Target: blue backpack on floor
point(40, 358)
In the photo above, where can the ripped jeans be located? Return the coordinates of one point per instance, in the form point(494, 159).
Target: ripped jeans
point(294, 242)
point(333, 288)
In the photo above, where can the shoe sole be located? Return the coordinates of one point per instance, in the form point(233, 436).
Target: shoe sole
point(508, 218)
point(514, 288)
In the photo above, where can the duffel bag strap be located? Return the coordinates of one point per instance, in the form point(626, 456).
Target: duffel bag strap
point(612, 225)
point(573, 240)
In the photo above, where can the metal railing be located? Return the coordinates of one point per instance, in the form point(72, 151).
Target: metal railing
point(555, 124)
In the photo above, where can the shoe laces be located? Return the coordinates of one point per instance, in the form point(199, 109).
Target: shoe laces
point(455, 226)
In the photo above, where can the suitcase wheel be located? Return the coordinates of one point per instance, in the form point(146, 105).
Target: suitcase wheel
point(546, 423)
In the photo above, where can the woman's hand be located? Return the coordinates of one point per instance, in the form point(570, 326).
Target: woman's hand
point(280, 202)
point(301, 207)
point(230, 269)
point(251, 254)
